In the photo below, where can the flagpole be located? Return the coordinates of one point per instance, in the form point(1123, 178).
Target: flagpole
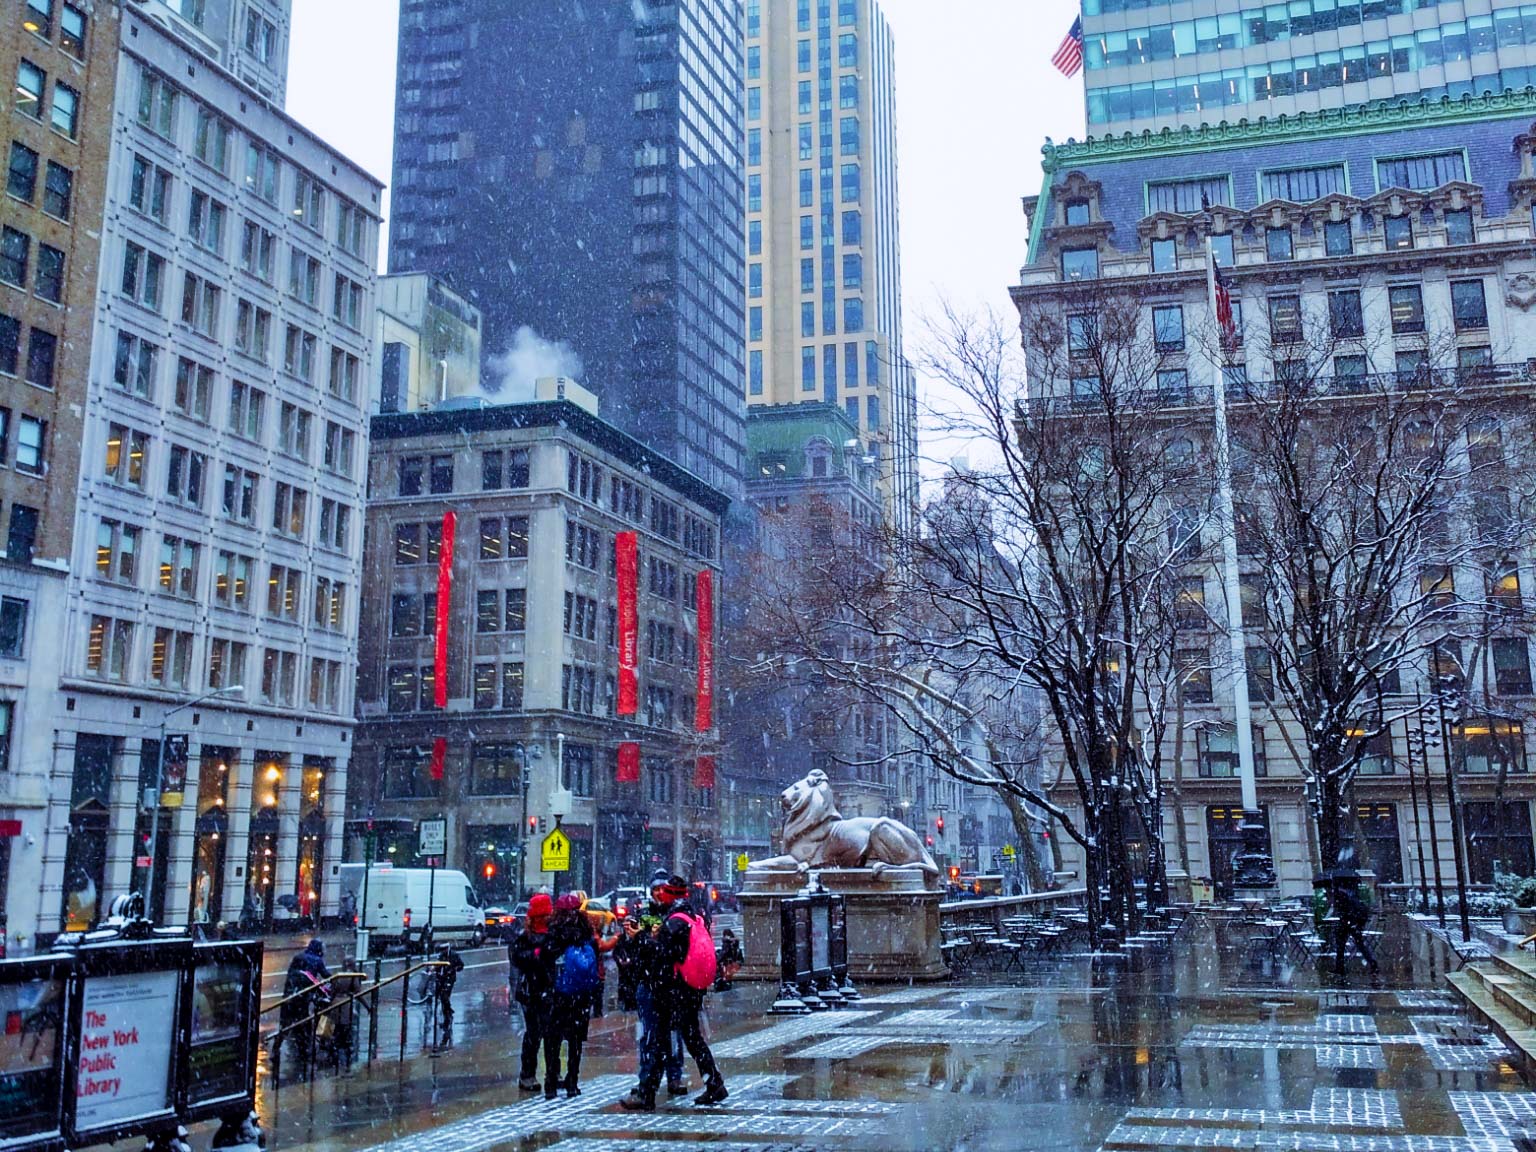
point(1252, 868)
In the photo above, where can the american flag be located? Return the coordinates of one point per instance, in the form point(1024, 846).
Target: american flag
point(1224, 307)
point(1069, 57)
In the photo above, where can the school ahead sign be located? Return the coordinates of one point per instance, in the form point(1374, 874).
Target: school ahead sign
point(556, 852)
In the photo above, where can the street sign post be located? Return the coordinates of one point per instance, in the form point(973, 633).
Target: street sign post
point(742, 862)
point(555, 852)
point(431, 842)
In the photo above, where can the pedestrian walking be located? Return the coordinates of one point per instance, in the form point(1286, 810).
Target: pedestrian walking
point(306, 989)
point(534, 959)
point(1353, 910)
point(573, 943)
point(730, 959)
point(447, 977)
point(682, 961)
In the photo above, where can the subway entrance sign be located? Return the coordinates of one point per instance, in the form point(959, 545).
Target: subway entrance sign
point(555, 853)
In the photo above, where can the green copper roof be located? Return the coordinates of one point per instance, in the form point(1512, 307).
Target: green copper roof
point(1352, 121)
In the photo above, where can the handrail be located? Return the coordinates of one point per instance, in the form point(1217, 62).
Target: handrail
point(350, 997)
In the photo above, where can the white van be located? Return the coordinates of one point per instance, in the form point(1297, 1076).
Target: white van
point(395, 911)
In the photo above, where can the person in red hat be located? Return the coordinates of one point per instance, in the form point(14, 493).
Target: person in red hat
point(534, 958)
point(573, 943)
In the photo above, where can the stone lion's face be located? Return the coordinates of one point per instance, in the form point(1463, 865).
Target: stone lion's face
point(800, 793)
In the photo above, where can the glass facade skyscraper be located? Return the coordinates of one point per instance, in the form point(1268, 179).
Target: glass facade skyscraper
point(575, 167)
point(1150, 64)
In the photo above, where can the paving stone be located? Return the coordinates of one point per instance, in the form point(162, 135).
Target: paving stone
point(696, 1122)
point(1427, 1001)
point(601, 1144)
point(1147, 1136)
point(908, 996)
point(1495, 1113)
point(785, 1033)
point(1350, 1056)
point(843, 1047)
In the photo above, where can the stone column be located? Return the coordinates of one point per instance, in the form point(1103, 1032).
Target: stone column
point(238, 797)
point(335, 838)
point(122, 849)
point(178, 892)
point(288, 802)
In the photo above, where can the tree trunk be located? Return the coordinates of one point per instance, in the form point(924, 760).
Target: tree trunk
point(1330, 830)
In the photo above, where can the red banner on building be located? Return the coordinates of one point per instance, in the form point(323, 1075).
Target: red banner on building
point(704, 772)
point(628, 771)
point(444, 591)
point(704, 713)
point(439, 754)
point(627, 561)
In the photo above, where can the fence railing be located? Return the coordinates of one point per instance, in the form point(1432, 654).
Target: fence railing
point(992, 911)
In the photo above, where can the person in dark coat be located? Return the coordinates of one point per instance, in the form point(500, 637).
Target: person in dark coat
point(679, 1005)
point(569, 1015)
point(1354, 913)
point(305, 990)
point(636, 962)
point(534, 959)
point(447, 977)
point(730, 959)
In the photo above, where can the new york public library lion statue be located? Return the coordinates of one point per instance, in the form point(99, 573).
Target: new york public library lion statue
point(817, 836)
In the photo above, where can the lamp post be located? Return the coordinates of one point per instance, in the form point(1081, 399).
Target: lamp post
point(154, 811)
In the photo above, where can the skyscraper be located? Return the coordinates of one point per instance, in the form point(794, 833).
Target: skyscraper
point(575, 167)
point(1230, 59)
point(823, 243)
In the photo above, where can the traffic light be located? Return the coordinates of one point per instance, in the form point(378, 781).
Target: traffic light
point(930, 841)
point(533, 823)
point(939, 824)
point(490, 870)
point(954, 872)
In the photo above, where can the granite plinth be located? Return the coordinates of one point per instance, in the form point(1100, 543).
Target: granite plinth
point(893, 923)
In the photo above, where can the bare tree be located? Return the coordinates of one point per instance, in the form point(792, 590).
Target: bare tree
point(1354, 492)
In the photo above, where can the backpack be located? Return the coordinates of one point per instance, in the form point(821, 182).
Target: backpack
point(576, 971)
point(699, 967)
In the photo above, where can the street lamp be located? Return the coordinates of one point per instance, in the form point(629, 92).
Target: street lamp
point(154, 811)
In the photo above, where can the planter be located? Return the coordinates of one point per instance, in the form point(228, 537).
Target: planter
point(1520, 921)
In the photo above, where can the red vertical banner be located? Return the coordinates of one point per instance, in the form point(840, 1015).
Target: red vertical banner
point(704, 713)
point(627, 561)
point(444, 591)
point(704, 772)
point(439, 754)
point(628, 771)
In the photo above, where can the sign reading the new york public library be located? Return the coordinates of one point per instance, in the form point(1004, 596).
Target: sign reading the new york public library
point(127, 1026)
point(556, 852)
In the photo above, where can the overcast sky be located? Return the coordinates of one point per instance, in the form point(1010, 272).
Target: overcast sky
point(976, 95)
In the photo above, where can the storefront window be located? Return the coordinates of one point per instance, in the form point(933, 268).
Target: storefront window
point(262, 847)
point(307, 882)
point(211, 833)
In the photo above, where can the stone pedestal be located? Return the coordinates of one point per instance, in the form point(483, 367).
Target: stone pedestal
point(893, 923)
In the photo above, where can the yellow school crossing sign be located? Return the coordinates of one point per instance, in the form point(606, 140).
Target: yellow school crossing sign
point(556, 852)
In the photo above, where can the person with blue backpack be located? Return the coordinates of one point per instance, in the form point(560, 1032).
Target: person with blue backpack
point(573, 947)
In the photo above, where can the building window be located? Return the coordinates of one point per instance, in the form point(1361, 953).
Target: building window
point(1168, 328)
point(1284, 319)
point(1189, 196)
point(109, 648)
point(30, 80)
point(1345, 318)
point(1399, 232)
point(1277, 244)
point(1469, 306)
point(158, 99)
point(849, 183)
point(496, 769)
point(31, 441)
point(149, 188)
point(1194, 671)
point(1338, 238)
point(13, 639)
point(42, 356)
point(1165, 256)
point(1511, 667)
point(1217, 749)
point(1406, 304)
point(49, 281)
point(72, 23)
point(1302, 185)
point(58, 191)
point(1421, 173)
point(1458, 227)
point(1075, 212)
point(1080, 264)
point(15, 255)
point(21, 176)
point(65, 114)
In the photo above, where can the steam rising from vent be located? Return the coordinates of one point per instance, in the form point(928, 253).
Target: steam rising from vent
point(510, 376)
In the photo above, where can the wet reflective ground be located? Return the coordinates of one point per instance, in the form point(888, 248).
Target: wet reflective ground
point(1220, 1045)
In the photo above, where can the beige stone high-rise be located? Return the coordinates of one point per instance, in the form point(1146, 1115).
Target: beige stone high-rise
point(823, 237)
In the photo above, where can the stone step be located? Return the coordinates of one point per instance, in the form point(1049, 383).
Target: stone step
point(1520, 965)
point(1515, 995)
point(1482, 1005)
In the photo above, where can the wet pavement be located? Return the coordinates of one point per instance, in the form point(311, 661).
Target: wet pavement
point(1216, 1046)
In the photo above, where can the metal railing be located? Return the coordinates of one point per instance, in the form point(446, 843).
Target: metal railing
point(991, 911)
point(307, 1030)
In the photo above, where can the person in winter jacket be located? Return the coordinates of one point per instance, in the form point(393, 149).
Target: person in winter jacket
point(307, 973)
point(534, 958)
point(730, 959)
point(1354, 913)
point(605, 942)
point(678, 1004)
point(447, 977)
point(636, 962)
point(569, 1012)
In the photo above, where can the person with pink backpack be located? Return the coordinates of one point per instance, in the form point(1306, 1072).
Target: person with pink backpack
point(680, 956)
